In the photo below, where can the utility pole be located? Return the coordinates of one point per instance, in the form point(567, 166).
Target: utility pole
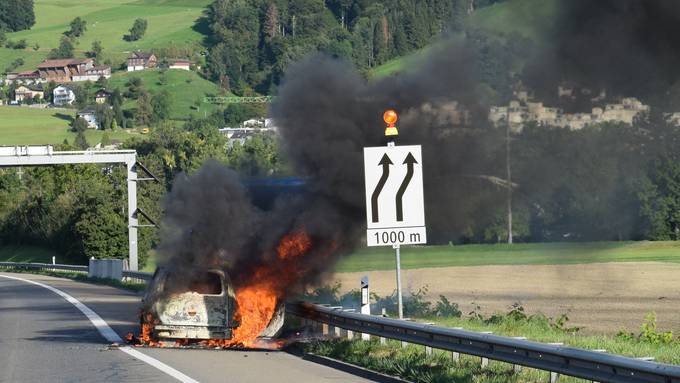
point(508, 176)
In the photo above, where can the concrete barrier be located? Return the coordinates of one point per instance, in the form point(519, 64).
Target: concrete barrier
point(106, 268)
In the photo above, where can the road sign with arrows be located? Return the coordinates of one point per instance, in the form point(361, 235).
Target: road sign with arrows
point(394, 195)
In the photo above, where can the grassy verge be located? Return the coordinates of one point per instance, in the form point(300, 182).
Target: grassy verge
point(413, 364)
point(517, 254)
point(33, 254)
point(80, 277)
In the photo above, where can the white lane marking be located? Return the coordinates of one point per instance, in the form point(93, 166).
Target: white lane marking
point(108, 333)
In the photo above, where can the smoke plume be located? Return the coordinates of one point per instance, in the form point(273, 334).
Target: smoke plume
point(327, 113)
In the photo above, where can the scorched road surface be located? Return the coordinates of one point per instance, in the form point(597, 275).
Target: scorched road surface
point(45, 338)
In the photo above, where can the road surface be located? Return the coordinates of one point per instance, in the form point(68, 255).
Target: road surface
point(45, 338)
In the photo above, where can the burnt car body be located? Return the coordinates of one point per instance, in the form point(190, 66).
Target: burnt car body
point(198, 304)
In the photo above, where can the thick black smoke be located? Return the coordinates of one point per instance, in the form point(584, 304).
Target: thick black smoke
point(211, 221)
point(626, 47)
point(327, 113)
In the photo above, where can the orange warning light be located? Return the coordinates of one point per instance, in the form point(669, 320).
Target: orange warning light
point(390, 117)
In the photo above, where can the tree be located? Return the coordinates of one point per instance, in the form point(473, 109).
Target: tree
point(271, 23)
point(104, 116)
point(81, 141)
point(106, 140)
point(3, 37)
point(79, 125)
point(144, 112)
point(137, 31)
point(16, 15)
point(97, 48)
point(135, 87)
point(101, 83)
point(65, 49)
point(161, 103)
point(78, 27)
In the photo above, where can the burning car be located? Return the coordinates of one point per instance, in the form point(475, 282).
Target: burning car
point(199, 304)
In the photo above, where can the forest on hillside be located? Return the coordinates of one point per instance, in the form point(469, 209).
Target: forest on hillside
point(253, 41)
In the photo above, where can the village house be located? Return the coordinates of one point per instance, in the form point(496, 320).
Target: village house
point(28, 92)
point(94, 73)
point(63, 95)
point(180, 64)
point(102, 96)
point(25, 77)
point(140, 61)
point(63, 70)
point(90, 116)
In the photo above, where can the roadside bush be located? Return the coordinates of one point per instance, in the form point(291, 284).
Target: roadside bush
point(444, 308)
point(648, 332)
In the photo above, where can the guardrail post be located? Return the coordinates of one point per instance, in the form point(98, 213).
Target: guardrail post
point(598, 350)
point(517, 368)
point(325, 329)
point(485, 361)
point(554, 375)
point(350, 334)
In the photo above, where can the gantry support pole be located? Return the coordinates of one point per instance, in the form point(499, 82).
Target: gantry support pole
point(132, 213)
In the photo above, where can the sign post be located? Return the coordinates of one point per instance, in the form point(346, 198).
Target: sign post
point(395, 209)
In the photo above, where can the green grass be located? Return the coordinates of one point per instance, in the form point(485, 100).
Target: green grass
point(170, 23)
point(517, 254)
point(29, 126)
point(33, 254)
point(185, 87)
point(413, 364)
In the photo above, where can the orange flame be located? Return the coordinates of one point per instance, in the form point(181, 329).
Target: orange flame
point(257, 301)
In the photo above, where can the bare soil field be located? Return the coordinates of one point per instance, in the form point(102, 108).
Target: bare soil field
point(601, 297)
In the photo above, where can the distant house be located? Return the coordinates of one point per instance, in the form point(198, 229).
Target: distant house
point(180, 64)
point(102, 96)
point(63, 70)
point(140, 61)
point(93, 74)
point(26, 92)
point(63, 95)
point(89, 114)
point(25, 77)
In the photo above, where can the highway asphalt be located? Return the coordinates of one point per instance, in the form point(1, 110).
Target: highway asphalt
point(44, 338)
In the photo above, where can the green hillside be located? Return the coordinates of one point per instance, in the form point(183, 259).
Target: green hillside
point(185, 88)
point(30, 126)
point(529, 18)
point(171, 23)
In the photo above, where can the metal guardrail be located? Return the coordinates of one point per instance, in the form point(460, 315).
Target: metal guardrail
point(139, 276)
point(127, 274)
point(591, 365)
point(43, 266)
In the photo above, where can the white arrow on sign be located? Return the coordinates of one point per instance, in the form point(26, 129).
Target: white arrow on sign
point(394, 195)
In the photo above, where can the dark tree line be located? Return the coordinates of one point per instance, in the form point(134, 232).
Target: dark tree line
point(253, 41)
